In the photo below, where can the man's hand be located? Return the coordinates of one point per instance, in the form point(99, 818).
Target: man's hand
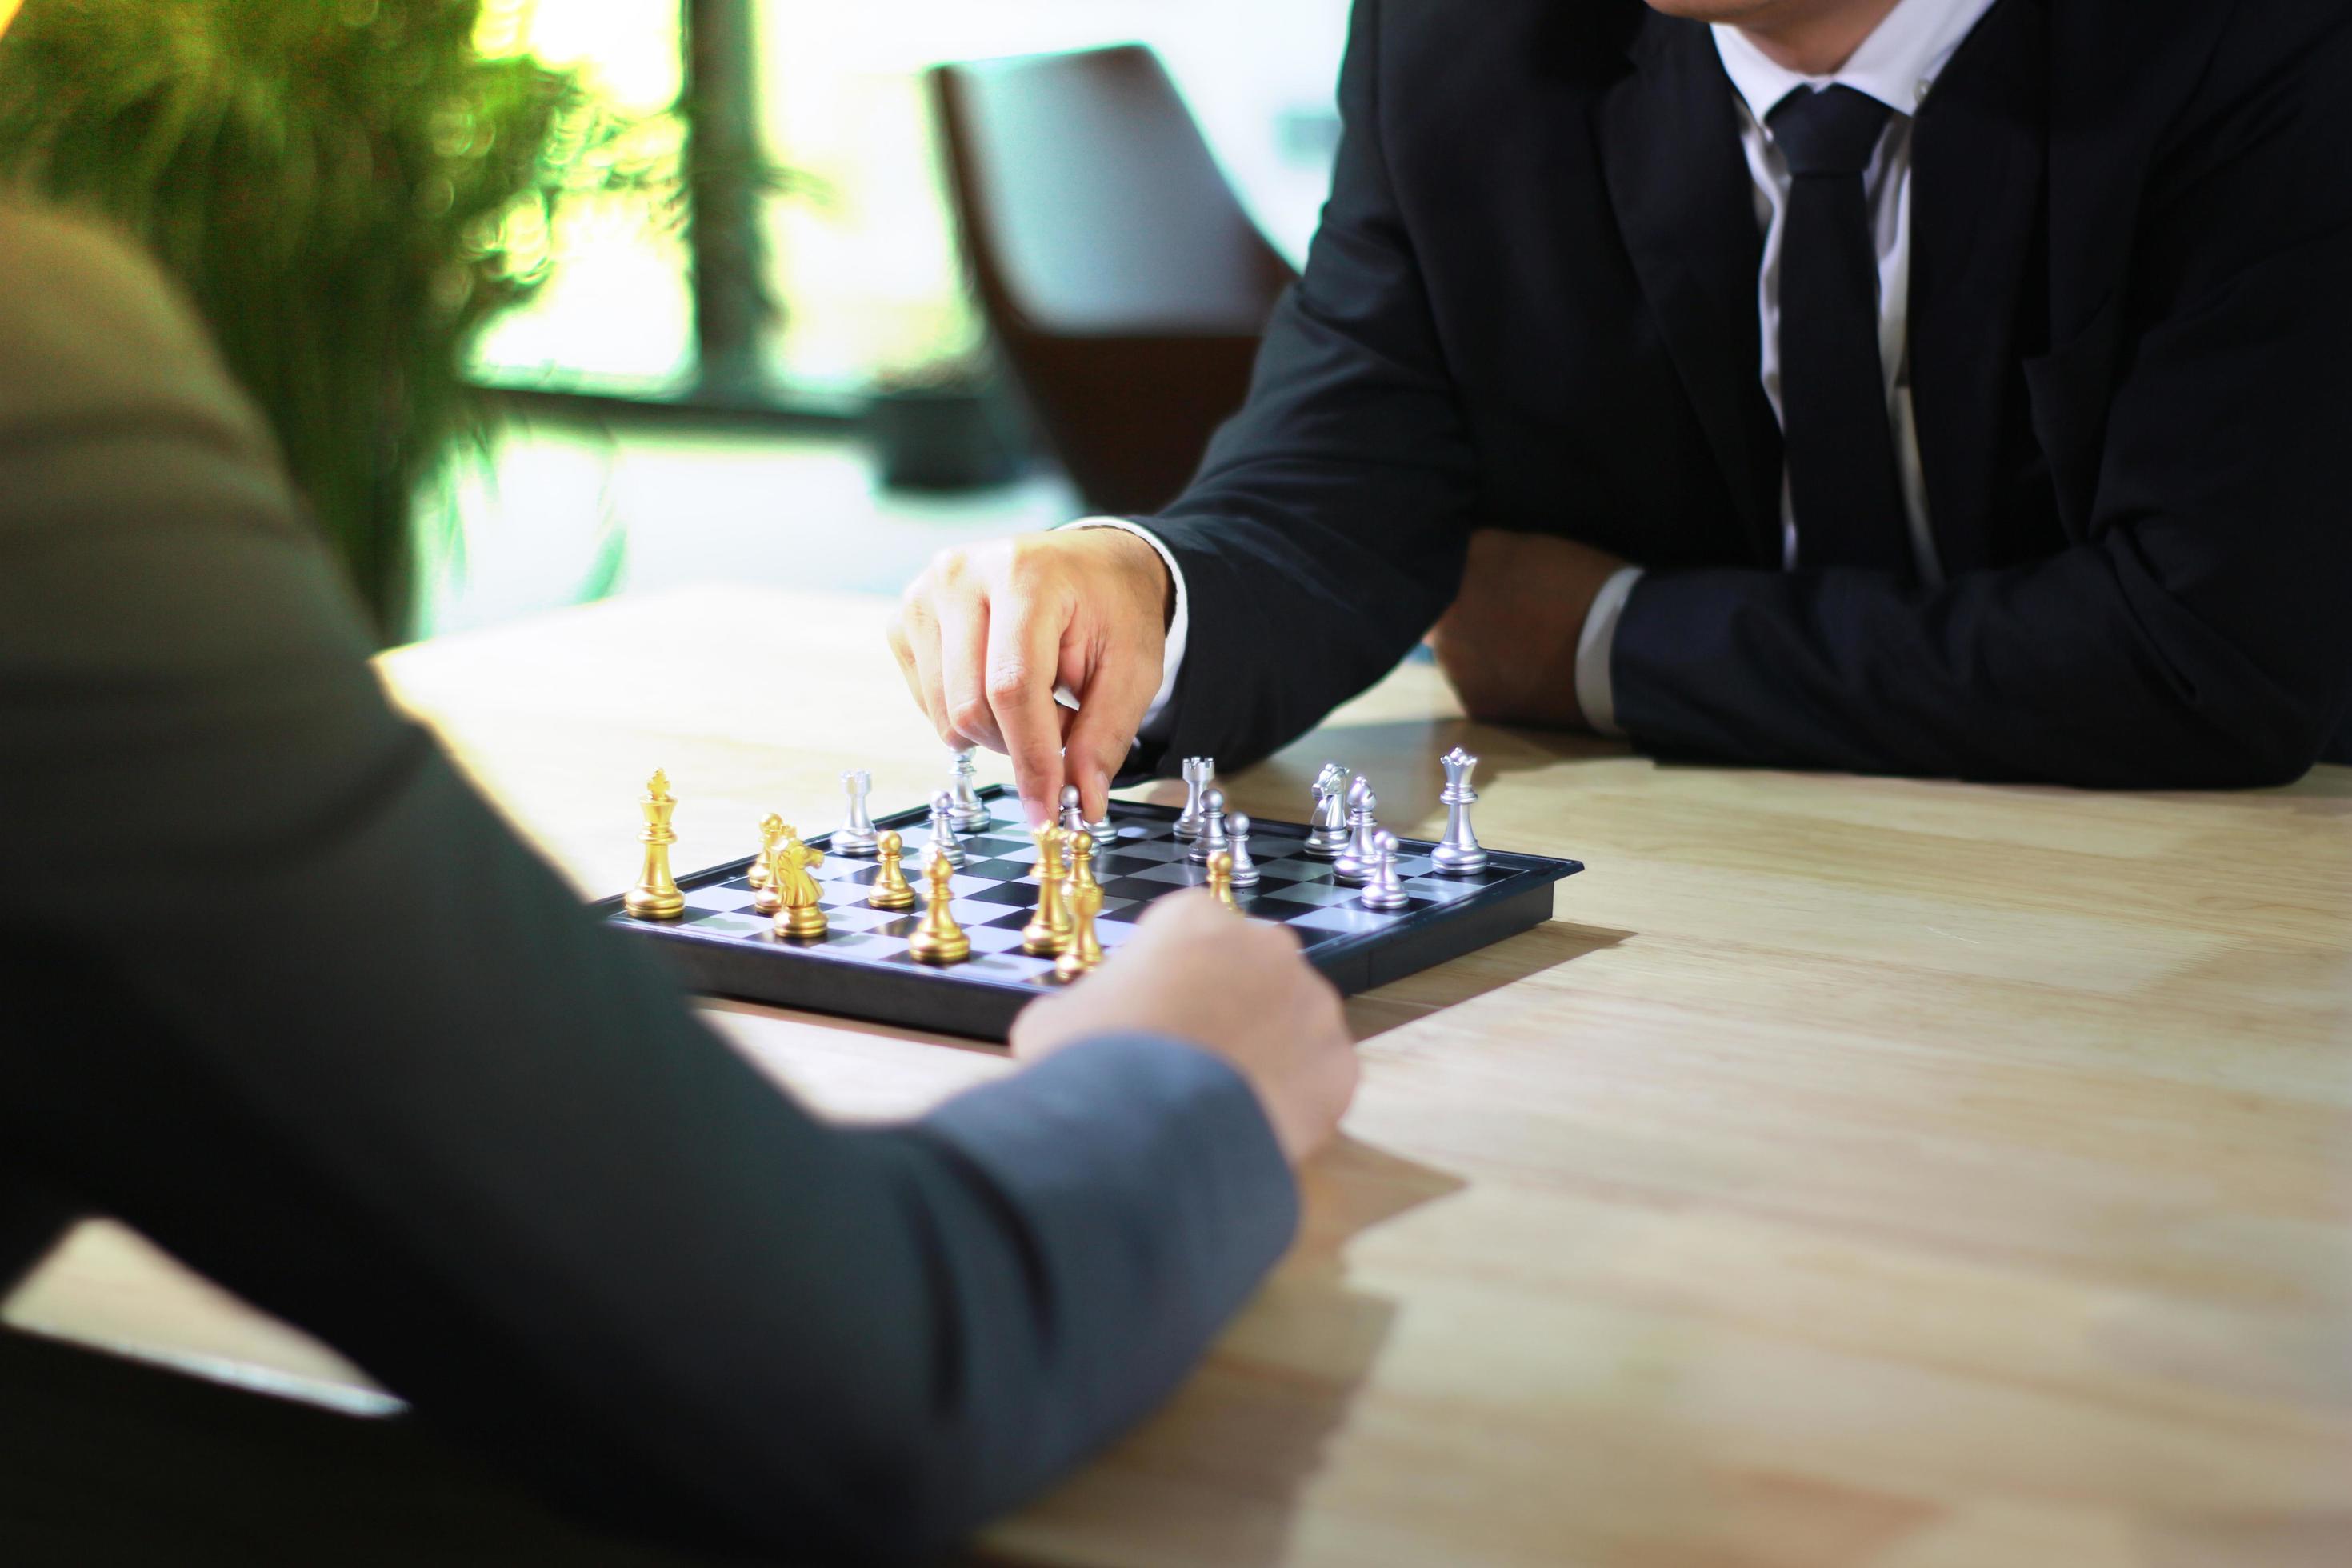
point(985, 636)
point(1509, 645)
point(1196, 972)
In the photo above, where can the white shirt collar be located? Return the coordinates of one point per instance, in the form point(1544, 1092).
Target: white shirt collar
point(1895, 65)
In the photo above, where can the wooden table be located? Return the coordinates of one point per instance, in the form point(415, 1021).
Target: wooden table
point(1856, 1171)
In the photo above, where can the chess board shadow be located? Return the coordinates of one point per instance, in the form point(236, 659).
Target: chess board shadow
point(1514, 959)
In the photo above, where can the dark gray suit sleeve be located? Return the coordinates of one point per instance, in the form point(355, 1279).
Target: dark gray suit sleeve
point(288, 996)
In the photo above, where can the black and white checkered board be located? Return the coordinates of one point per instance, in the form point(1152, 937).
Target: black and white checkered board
point(860, 968)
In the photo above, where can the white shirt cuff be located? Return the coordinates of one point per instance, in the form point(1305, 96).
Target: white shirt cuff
point(1180, 627)
point(1594, 692)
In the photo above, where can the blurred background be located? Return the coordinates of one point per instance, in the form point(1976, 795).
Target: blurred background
point(557, 300)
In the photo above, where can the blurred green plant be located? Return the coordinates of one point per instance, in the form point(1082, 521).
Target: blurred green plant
point(350, 190)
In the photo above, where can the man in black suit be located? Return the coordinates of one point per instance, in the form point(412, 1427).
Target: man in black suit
point(280, 990)
point(1939, 387)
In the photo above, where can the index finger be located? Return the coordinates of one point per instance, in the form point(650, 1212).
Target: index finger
point(1024, 651)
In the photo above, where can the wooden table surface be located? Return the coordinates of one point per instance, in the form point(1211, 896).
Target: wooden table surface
point(1855, 1172)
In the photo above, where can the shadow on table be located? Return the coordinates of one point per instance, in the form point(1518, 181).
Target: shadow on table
point(1256, 1424)
point(1473, 975)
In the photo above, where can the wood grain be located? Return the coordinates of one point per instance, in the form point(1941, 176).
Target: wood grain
point(1856, 1173)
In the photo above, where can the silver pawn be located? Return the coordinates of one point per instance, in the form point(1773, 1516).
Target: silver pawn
point(1245, 872)
point(1354, 863)
point(1460, 855)
point(1383, 891)
point(1073, 815)
point(1329, 819)
point(855, 836)
point(1199, 773)
point(970, 811)
point(1214, 837)
point(944, 830)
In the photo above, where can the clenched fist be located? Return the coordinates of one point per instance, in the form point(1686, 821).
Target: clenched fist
point(987, 633)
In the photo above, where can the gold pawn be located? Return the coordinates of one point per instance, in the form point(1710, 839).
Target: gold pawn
point(801, 914)
point(1221, 880)
point(938, 938)
point(655, 897)
point(1048, 934)
point(890, 888)
point(770, 897)
point(1085, 949)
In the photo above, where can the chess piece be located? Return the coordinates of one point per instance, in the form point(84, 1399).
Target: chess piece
point(1085, 896)
point(1073, 815)
point(944, 843)
point(1082, 865)
point(770, 897)
point(938, 938)
point(1329, 819)
point(1104, 831)
point(855, 834)
point(1214, 838)
point(1354, 863)
point(890, 890)
point(1221, 880)
point(801, 914)
point(1245, 871)
point(655, 897)
point(1460, 855)
point(970, 811)
point(1198, 774)
point(1382, 890)
point(770, 828)
point(1048, 931)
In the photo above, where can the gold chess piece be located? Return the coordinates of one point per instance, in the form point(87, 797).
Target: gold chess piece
point(1221, 880)
point(1082, 864)
point(1085, 949)
point(655, 897)
point(801, 913)
point(1048, 931)
point(938, 939)
point(770, 897)
point(890, 888)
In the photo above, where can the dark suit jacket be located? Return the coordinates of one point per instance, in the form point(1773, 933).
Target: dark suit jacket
point(1532, 306)
point(276, 987)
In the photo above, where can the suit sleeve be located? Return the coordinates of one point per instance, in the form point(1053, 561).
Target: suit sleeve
point(1326, 527)
point(292, 1000)
point(2199, 635)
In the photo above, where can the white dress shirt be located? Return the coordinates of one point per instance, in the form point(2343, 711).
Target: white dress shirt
point(1897, 65)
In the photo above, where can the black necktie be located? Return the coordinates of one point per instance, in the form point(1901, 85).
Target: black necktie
point(1842, 472)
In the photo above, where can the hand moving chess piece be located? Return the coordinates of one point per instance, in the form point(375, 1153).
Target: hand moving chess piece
point(655, 897)
point(771, 827)
point(773, 831)
point(890, 888)
point(856, 834)
point(1461, 855)
point(938, 938)
point(1085, 896)
point(802, 914)
point(1048, 931)
point(1382, 890)
point(1221, 879)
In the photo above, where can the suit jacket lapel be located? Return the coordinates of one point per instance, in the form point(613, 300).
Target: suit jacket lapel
point(1669, 135)
point(1980, 148)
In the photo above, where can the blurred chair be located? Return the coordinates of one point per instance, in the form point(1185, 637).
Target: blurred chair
point(1124, 284)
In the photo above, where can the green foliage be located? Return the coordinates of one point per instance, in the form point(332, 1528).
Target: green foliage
point(349, 190)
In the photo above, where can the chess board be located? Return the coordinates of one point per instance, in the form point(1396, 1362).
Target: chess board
point(860, 967)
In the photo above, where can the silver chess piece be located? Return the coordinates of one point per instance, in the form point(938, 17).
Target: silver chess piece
point(970, 811)
point(1073, 815)
point(1382, 890)
point(1460, 855)
point(1245, 871)
point(1329, 819)
point(944, 843)
point(1199, 774)
point(855, 836)
point(1214, 835)
point(1354, 864)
